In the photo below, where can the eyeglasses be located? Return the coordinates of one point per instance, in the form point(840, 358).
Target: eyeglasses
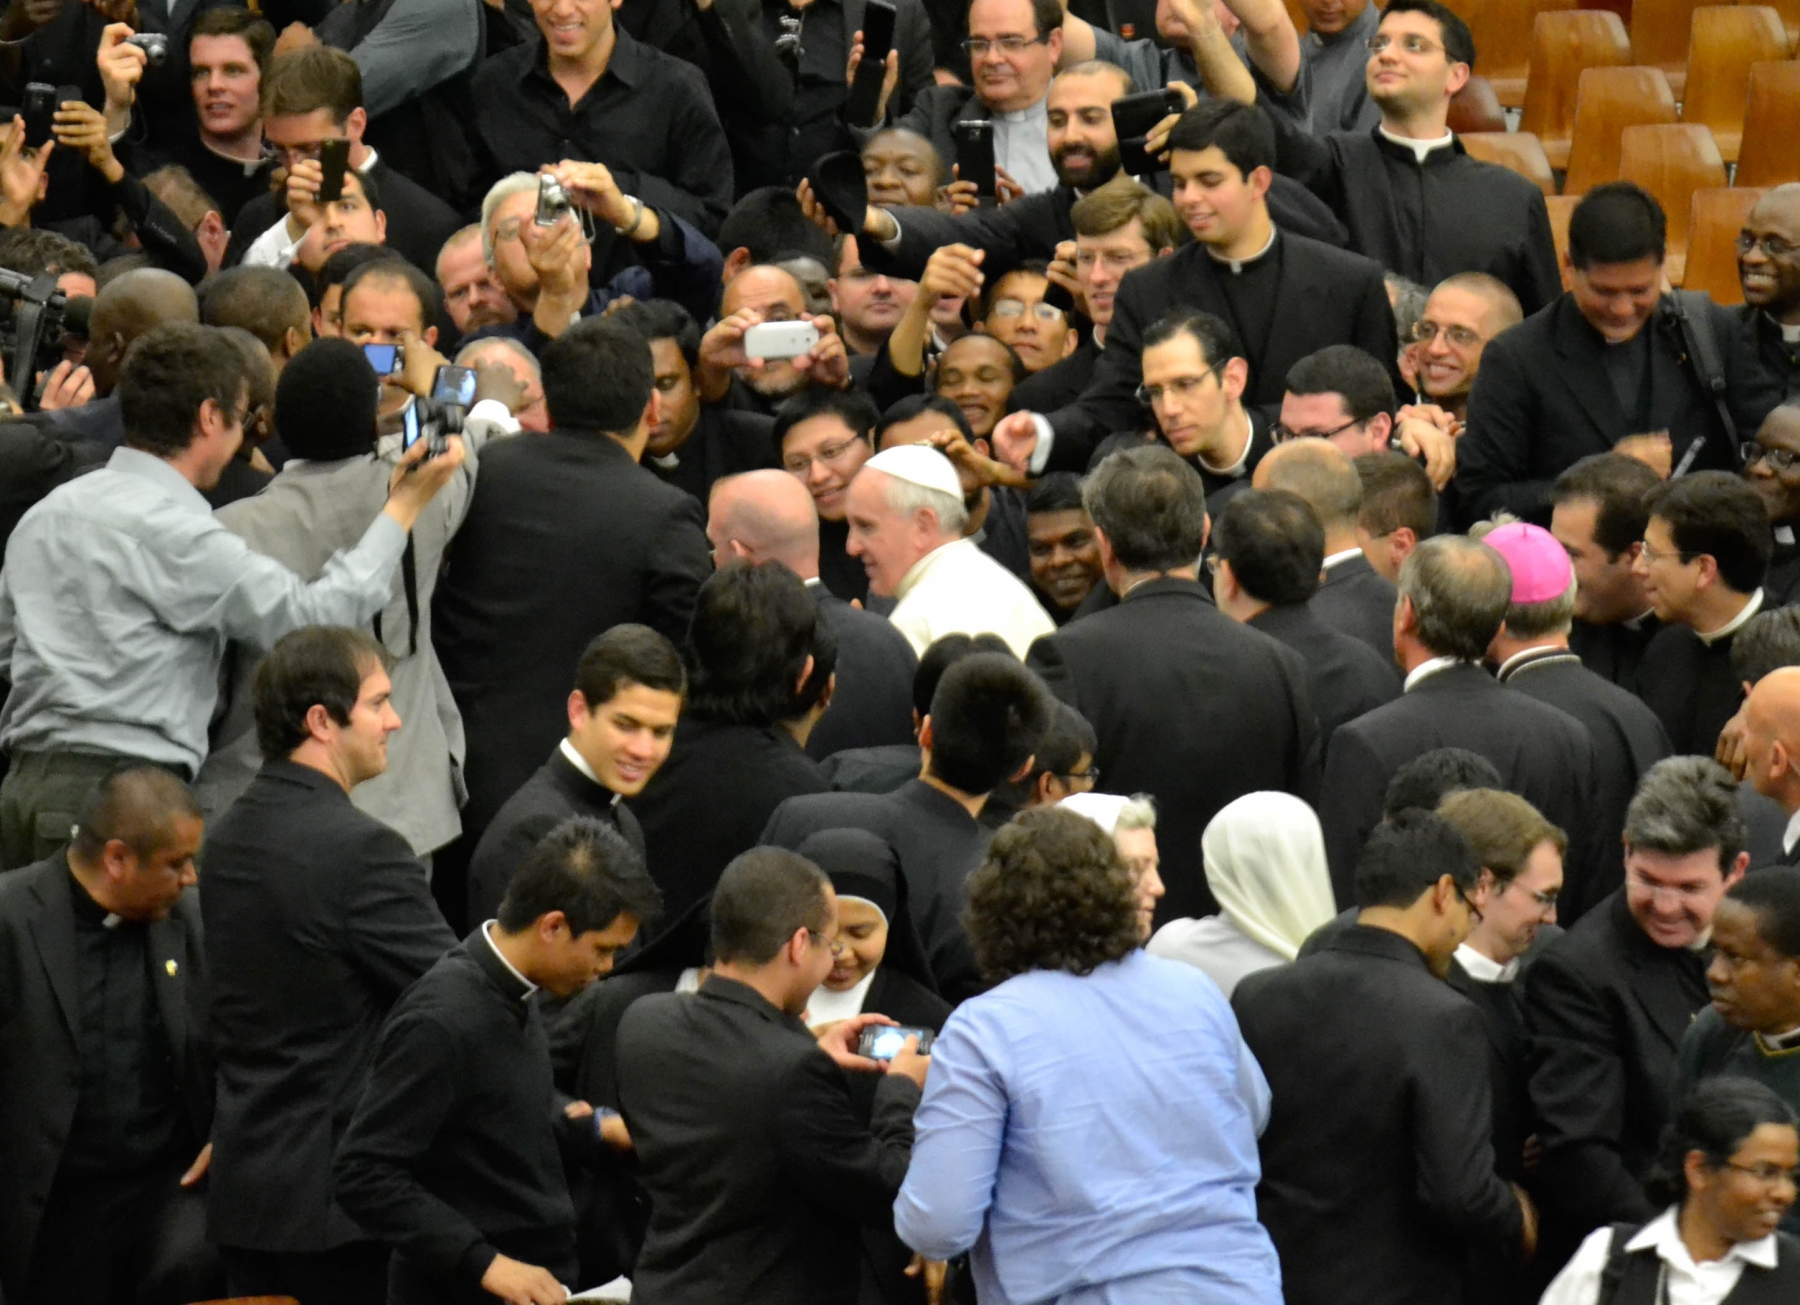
point(1424, 332)
point(978, 47)
point(1282, 434)
point(1474, 911)
point(1181, 387)
point(289, 155)
point(1766, 1174)
point(1044, 312)
point(1657, 555)
point(835, 944)
point(1773, 246)
point(1084, 779)
point(1778, 459)
point(1545, 901)
point(800, 464)
point(1411, 43)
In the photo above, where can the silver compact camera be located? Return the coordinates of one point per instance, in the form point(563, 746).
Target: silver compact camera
point(154, 45)
point(552, 201)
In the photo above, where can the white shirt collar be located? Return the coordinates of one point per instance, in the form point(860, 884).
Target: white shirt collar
point(1664, 1234)
point(487, 932)
point(1343, 556)
point(1789, 334)
point(1732, 626)
point(1236, 469)
point(1421, 148)
point(1792, 834)
point(1030, 113)
point(1425, 670)
point(1239, 264)
point(1483, 968)
point(578, 761)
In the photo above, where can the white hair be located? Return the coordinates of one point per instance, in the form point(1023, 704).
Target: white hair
point(476, 349)
point(906, 498)
point(1137, 812)
point(502, 190)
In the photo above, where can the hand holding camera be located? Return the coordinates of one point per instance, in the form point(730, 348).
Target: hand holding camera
point(121, 61)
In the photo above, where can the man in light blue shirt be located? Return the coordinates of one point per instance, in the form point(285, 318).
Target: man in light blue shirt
point(119, 590)
point(1090, 1125)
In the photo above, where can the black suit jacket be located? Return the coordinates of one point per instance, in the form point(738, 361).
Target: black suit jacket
point(317, 917)
point(40, 1058)
point(1325, 296)
point(1691, 687)
point(1190, 707)
point(1628, 740)
point(548, 798)
point(565, 538)
point(872, 706)
point(758, 1169)
point(712, 798)
point(1614, 652)
point(939, 845)
point(1378, 1160)
point(1607, 1009)
point(1346, 678)
point(1543, 754)
point(1542, 401)
point(1357, 600)
point(418, 222)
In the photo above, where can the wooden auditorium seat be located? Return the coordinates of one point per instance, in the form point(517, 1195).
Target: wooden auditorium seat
point(1476, 108)
point(1659, 37)
point(1563, 46)
point(1726, 41)
point(1790, 15)
point(1718, 215)
point(1503, 32)
point(1610, 100)
point(1672, 161)
point(1561, 206)
point(1770, 153)
point(1518, 150)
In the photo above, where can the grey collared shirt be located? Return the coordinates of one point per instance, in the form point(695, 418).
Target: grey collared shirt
point(118, 594)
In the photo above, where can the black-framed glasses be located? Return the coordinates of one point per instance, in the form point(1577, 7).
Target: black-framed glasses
point(1181, 387)
point(1778, 459)
point(1282, 434)
point(1474, 910)
point(1087, 779)
point(977, 47)
point(1773, 246)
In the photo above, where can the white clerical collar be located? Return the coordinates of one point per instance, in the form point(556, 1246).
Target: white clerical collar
point(1784, 534)
point(1483, 968)
point(1343, 556)
point(1239, 264)
point(1028, 114)
point(1425, 670)
point(1736, 623)
point(1663, 1235)
point(578, 761)
point(1236, 469)
point(1789, 334)
point(1421, 149)
point(487, 932)
point(1792, 836)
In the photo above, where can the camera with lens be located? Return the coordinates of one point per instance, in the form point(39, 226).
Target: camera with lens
point(430, 420)
point(38, 325)
point(154, 45)
point(552, 201)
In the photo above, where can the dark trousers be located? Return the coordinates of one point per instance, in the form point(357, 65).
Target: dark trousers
point(130, 1239)
point(355, 1274)
point(41, 797)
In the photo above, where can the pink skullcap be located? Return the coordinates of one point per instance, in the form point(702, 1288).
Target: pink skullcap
point(1539, 565)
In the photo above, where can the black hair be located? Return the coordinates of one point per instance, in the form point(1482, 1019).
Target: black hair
point(136, 804)
point(824, 655)
point(598, 376)
point(768, 222)
point(663, 319)
point(265, 301)
point(1717, 514)
point(917, 405)
point(1396, 492)
point(752, 631)
point(1348, 372)
point(1407, 854)
point(1152, 506)
point(587, 870)
point(327, 401)
point(624, 655)
point(170, 371)
point(1243, 133)
point(423, 288)
point(1716, 1119)
point(1217, 342)
point(853, 407)
point(38, 251)
point(1774, 894)
point(256, 32)
point(1617, 222)
point(1070, 736)
point(314, 666)
point(336, 269)
point(941, 655)
point(762, 899)
point(987, 716)
point(1012, 356)
point(1430, 777)
point(1766, 642)
point(1459, 43)
point(1275, 545)
point(1060, 491)
point(1618, 486)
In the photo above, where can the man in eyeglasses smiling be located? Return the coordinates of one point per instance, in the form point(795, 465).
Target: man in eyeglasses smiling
point(1765, 361)
point(1464, 312)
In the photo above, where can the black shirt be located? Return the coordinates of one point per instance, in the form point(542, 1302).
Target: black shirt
point(649, 119)
point(1627, 369)
point(1003, 536)
point(843, 575)
point(229, 183)
point(128, 1115)
point(1249, 287)
point(816, 126)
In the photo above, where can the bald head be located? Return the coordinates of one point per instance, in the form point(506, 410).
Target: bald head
point(1502, 304)
point(765, 287)
point(129, 306)
point(1771, 283)
point(1772, 737)
point(1322, 474)
point(764, 516)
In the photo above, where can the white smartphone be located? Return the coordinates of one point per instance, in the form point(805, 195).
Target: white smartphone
point(780, 339)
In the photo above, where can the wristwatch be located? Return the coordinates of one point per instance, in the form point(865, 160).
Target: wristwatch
point(637, 217)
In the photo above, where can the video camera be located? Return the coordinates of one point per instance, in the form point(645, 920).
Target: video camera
point(36, 321)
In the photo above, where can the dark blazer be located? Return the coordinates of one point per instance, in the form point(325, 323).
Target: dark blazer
point(1356, 599)
point(40, 1059)
point(1378, 1160)
point(1345, 678)
point(872, 705)
point(1190, 707)
point(939, 845)
point(317, 918)
point(1544, 755)
point(548, 798)
point(873, 770)
point(1614, 652)
point(1628, 740)
point(1324, 296)
point(760, 1174)
point(1543, 401)
point(418, 222)
point(566, 537)
point(1607, 1009)
point(1691, 687)
point(712, 798)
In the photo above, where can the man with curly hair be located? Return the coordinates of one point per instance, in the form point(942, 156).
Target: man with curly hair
point(1119, 1072)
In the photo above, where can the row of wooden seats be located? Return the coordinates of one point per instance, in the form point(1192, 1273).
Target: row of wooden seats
point(1709, 226)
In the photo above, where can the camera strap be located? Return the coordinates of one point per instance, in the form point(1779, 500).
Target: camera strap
point(409, 585)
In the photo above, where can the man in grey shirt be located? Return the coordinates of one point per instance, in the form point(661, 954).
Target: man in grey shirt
point(120, 590)
point(1334, 57)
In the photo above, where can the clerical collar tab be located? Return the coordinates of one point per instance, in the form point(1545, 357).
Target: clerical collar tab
point(1237, 265)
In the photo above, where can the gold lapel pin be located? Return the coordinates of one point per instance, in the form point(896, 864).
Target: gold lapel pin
point(171, 967)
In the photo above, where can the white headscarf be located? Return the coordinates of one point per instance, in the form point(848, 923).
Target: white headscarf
point(1265, 863)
